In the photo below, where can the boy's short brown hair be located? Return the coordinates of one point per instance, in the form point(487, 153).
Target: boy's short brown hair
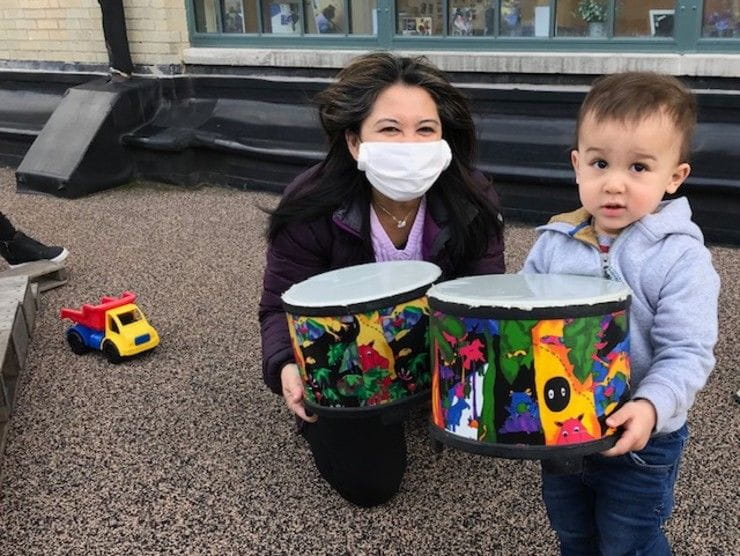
point(633, 96)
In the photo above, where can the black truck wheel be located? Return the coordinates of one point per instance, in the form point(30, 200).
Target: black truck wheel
point(111, 352)
point(76, 343)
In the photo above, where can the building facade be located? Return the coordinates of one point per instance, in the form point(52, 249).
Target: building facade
point(685, 37)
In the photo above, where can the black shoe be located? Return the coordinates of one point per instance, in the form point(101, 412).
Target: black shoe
point(23, 249)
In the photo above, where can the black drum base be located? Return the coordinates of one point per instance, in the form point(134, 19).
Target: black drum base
point(521, 451)
point(388, 412)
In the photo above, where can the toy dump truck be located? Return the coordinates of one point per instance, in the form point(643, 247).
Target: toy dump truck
point(116, 326)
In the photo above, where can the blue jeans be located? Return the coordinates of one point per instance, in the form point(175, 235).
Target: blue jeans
point(617, 506)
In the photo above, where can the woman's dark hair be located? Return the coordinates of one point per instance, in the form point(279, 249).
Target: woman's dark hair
point(346, 103)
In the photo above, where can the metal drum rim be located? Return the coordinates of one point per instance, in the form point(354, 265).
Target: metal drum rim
point(355, 308)
point(521, 451)
point(368, 410)
point(536, 313)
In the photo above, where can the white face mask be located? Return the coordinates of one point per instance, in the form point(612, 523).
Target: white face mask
point(403, 171)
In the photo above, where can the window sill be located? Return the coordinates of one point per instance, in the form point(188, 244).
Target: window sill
point(573, 63)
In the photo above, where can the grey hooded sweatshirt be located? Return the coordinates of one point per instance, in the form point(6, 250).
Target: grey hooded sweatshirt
point(673, 316)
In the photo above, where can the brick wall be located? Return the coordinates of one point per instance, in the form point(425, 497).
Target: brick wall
point(72, 31)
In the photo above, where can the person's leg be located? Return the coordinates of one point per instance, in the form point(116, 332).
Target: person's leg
point(634, 496)
point(17, 248)
point(570, 508)
point(362, 459)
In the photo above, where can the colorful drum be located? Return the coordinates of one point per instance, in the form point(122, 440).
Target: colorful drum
point(361, 336)
point(528, 366)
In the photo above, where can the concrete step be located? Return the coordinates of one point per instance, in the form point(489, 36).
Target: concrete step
point(45, 274)
point(17, 319)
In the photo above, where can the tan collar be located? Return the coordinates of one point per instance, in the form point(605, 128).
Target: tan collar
point(580, 219)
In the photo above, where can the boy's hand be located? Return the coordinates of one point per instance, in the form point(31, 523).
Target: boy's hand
point(290, 377)
point(638, 418)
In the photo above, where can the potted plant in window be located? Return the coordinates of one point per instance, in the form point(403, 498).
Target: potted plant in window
point(593, 12)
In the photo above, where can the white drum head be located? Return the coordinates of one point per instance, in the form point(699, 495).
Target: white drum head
point(529, 291)
point(361, 284)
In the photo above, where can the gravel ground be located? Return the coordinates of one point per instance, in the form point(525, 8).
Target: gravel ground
point(185, 450)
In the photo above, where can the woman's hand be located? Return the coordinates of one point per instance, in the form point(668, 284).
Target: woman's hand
point(638, 419)
point(290, 377)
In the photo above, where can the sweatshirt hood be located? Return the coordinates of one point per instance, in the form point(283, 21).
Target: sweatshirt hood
point(671, 217)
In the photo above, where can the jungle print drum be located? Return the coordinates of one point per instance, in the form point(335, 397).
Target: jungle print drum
point(528, 366)
point(361, 336)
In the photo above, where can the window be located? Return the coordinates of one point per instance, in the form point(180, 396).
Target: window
point(647, 25)
point(275, 17)
point(525, 18)
point(416, 18)
point(582, 18)
point(721, 19)
point(129, 316)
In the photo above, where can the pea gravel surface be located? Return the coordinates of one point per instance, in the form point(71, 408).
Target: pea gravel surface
point(184, 451)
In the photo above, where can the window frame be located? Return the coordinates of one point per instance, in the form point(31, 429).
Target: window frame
point(687, 36)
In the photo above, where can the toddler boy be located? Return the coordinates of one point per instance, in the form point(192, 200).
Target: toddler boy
point(633, 139)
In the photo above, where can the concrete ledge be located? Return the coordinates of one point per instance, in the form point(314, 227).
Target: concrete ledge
point(44, 274)
point(17, 315)
point(698, 65)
